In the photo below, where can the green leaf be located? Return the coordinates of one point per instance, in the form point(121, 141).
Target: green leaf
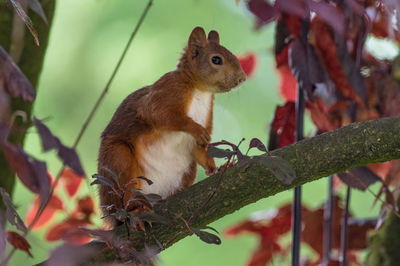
point(219, 153)
point(101, 180)
point(207, 237)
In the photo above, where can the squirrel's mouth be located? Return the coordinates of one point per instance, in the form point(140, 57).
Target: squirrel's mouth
point(223, 88)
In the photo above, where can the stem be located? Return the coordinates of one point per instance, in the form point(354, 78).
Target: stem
point(106, 88)
point(300, 105)
point(344, 235)
point(328, 217)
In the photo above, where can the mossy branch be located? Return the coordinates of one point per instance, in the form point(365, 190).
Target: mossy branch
point(351, 146)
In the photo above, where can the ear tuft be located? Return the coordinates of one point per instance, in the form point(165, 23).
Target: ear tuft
point(197, 37)
point(213, 36)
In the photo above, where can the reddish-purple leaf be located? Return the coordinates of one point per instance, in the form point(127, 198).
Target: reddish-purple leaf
point(329, 14)
point(262, 10)
point(67, 255)
point(359, 178)
point(71, 159)
point(32, 173)
point(24, 17)
point(283, 126)
point(306, 66)
point(66, 154)
point(355, 6)
point(256, 143)
point(2, 240)
point(4, 130)
point(19, 242)
point(13, 80)
point(11, 214)
point(279, 167)
point(218, 153)
point(295, 7)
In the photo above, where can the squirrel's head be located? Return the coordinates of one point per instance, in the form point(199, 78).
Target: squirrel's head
point(211, 65)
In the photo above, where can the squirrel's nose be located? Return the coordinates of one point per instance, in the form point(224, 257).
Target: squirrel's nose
point(242, 78)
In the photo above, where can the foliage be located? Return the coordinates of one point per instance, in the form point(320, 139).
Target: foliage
point(343, 83)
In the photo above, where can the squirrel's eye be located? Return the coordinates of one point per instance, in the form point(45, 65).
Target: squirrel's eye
point(216, 60)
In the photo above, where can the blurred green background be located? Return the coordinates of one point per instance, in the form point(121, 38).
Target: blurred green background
point(86, 41)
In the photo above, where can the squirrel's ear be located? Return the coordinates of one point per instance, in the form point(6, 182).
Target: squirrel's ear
point(197, 37)
point(213, 36)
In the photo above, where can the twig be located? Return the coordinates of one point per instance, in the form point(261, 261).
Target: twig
point(300, 105)
point(328, 218)
point(344, 233)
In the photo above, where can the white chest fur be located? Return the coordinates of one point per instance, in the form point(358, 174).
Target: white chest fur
point(168, 159)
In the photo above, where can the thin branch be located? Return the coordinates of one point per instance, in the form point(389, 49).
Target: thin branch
point(106, 88)
point(300, 106)
point(345, 228)
point(328, 218)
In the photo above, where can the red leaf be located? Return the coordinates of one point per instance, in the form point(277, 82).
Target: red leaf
point(268, 231)
point(264, 12)
point(283, 126)
point(69, 231)
point(287, 83)
point(380, 169)
point(393, 176)
point(327, 48)
point(19, 242)
point(313, 221)
point(72, 181)
point(327, 119)
point(85, 206)
point(263, 255)
point(248, 63)
point(54, 204)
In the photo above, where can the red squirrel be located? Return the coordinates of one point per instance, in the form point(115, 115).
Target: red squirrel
point(162, 131)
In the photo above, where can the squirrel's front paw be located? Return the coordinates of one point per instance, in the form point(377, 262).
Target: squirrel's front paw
point(211, 168)
point(202, 137)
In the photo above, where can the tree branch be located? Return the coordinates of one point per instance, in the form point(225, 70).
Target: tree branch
point(351, 146)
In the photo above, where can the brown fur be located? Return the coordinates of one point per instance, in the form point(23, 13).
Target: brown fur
point(148, 113)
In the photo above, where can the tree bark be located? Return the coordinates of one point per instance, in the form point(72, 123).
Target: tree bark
point(30, 62)
point(351, 146)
